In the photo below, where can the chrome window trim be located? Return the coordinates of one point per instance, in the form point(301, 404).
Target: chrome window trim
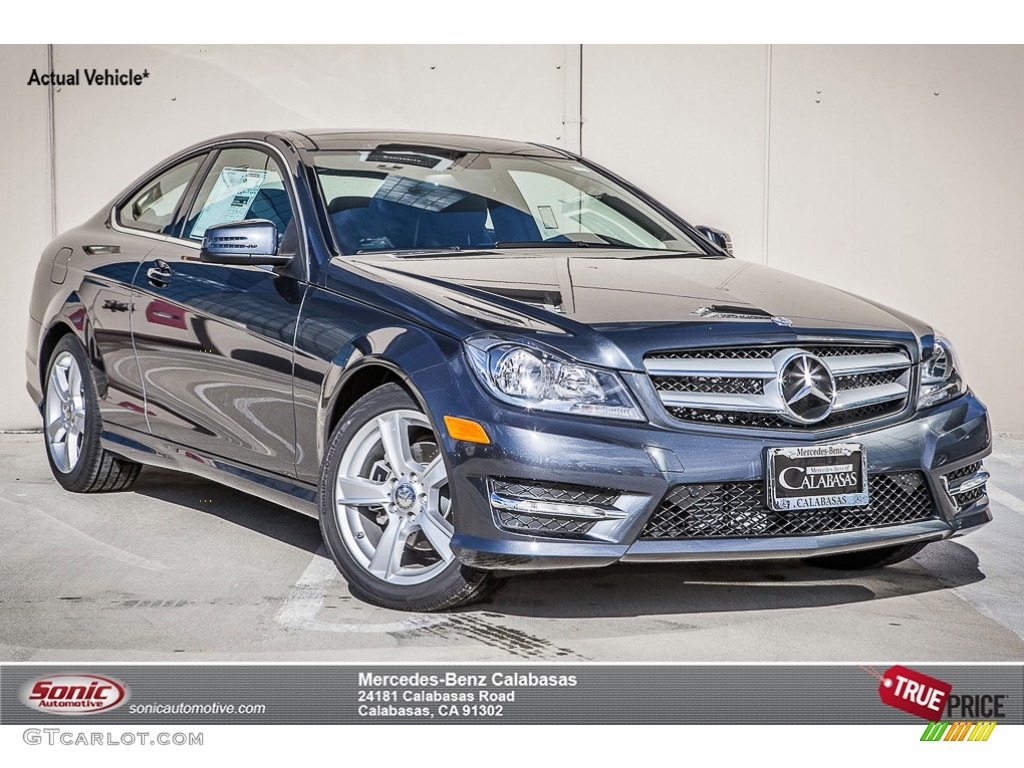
point(113, 223)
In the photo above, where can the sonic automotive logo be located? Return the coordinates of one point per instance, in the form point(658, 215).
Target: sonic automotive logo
point(74, 694)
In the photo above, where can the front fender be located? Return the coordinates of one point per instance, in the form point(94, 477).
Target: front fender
point(344, 348)
point(414, 356)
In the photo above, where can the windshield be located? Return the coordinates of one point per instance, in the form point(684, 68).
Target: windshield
point(396, 198)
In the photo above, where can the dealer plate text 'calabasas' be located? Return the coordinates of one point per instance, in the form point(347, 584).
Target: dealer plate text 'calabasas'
point(809, 477)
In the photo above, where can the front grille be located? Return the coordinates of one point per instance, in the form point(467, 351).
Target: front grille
point(765, 352)
point(545, 525)
point(739, 510)
point(739, 386)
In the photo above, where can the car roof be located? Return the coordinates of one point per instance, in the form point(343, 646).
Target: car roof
point(324, 139)
point(328, 139)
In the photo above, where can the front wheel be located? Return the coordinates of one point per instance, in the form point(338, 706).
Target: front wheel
point(386, 508)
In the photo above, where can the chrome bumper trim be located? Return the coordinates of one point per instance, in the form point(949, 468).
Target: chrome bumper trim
point(556, 509)
point(969, 483)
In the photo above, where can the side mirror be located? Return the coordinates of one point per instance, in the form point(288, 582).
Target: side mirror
point(252, 242)
point(717, 237)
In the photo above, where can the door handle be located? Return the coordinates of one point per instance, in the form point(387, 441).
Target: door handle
point(97, 250)
point(160, 274)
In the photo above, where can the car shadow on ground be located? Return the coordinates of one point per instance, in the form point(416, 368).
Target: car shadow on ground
point(264, 517)
point(618, 590)
point(679, 588)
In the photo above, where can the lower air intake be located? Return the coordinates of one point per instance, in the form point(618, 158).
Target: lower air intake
point(558, 493)
point(739, 510)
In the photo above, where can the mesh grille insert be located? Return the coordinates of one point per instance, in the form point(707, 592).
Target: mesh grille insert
point(560, 492)
point(763, 353)
point(731, 510)
point(771, 421)
point(718, 384)
point(543, 525)
point(966, 498)
point(967, 471)
point(862, 380)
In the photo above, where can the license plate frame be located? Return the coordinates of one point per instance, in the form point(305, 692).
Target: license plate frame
point(839, 479)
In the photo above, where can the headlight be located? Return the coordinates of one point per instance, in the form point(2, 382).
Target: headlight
point(941, 379)
point(537, 379)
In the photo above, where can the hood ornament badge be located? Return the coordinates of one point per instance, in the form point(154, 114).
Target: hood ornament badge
point(785, 322)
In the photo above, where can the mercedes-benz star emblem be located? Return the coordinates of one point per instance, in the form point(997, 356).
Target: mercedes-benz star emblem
point(808, 389)
point(405, 497)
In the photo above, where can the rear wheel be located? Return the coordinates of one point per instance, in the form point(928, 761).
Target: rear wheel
point(71, 426)
point(870, 558)
point(386, 508)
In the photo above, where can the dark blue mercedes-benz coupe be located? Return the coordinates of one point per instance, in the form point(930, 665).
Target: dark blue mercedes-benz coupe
point(469, 357)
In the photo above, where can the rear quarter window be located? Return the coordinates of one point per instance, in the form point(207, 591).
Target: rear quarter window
point(153, 207)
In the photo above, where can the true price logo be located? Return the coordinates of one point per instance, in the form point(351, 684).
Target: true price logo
point(914, 693)
point(73, 694)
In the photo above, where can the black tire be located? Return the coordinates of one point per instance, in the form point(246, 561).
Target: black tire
point(94, 469)
point(449, 585)
point(869, 558)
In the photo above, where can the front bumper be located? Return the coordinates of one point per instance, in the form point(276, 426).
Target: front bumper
point(644, 462)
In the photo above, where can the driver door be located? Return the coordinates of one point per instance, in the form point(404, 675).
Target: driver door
point(214, 341)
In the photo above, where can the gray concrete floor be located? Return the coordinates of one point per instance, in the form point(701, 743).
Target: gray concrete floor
point(183, 569)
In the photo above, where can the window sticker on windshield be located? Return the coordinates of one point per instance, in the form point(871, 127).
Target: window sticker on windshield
point(230, 199)
point(548, 217)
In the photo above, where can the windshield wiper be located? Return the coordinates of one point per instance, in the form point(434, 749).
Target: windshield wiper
point(669, 254)
point(563, 244)
point(409, 251)
point(541, 244)
point(645, 253)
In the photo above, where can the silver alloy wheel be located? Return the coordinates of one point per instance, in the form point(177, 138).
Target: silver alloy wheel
point(65, 412)
point(391, 499)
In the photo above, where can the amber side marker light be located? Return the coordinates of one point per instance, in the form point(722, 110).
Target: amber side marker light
point(465, 429)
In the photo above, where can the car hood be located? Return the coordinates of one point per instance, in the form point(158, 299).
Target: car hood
point(612, 306)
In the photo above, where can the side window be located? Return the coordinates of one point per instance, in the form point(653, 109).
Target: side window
point(152, 208)
point(243, 184)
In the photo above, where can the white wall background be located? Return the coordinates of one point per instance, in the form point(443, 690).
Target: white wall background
point(894, 172)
